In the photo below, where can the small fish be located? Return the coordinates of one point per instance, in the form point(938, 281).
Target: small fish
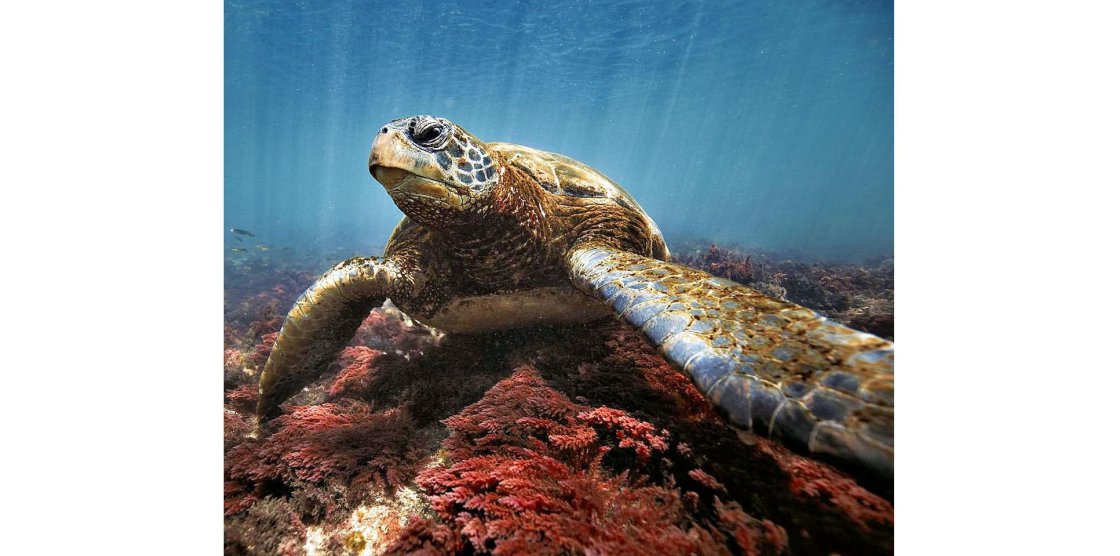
point(287, 250)
point(261, 247)
point(238, 238)
point(241, 232)
point(237, 249)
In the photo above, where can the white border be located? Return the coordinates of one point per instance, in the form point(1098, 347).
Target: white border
point(112, 227)
point(1006, 247)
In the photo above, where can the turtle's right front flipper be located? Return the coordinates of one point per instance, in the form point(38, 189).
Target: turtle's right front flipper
point(771, 366)
point(322, 321)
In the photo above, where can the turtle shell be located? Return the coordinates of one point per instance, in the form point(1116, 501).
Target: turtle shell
point(561, 175)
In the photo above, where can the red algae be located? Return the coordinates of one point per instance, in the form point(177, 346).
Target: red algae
point(549, 440)
point(527, 474)
point(707, 480)
point(357, 371)
point(390, 330)
point(243, 398)
point(721, 262)
point(809, 479)
point(335, 449)
point(236, 425)
point(426, 538)
point(259, 355)
point(269, 527)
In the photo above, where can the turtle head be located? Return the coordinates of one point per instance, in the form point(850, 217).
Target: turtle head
point(434, 170)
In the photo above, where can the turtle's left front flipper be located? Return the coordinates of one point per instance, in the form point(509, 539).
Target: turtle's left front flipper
point(321, 323)
point(769, 365)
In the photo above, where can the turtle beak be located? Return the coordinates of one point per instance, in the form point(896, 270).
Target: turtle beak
point(390, 178)
point(393, 159)
point(389, 150)
point(405, 172)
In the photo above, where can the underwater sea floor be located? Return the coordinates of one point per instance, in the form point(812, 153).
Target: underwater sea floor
point(555, 440)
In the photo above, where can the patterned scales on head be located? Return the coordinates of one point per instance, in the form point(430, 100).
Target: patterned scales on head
point(497, 235)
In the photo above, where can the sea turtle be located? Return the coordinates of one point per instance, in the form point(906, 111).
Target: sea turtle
point(497, 235)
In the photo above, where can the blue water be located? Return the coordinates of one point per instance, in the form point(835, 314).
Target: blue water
point(765, 124)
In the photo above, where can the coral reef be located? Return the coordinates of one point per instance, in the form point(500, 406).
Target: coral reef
point(556, 440)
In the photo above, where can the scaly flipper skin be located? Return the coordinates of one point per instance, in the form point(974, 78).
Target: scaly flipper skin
point(773, 366)
point(322, 321)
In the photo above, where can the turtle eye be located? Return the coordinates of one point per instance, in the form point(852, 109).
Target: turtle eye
point(429, 135)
